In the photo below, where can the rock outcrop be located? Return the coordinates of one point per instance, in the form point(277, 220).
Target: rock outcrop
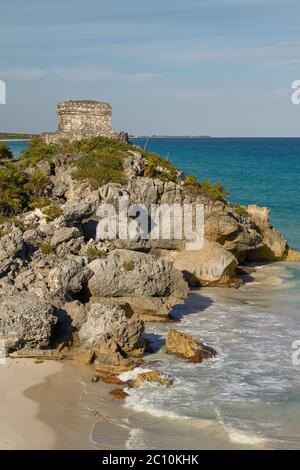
point(210, 266)
point(108, 336)
point(274, 247)
point(184, 345)
point(119, 321)
point(140, 279)
point(25, 321)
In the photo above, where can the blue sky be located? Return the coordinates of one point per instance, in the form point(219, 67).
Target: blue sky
point(217, 67)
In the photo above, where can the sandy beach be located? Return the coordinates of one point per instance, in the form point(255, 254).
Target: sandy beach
point(41, 406)
point(19, 426)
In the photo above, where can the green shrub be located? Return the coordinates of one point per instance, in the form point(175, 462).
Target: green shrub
point(158, 167)
point(51, 212)
point(5, 152)
point(93, 252)
point(214, 191)
point(128, 265)
point(38, 183)
point(13, 196)
point(39, 203)
point(46, 248)
point(38, 150)
point(241, 210)
point(100, 167)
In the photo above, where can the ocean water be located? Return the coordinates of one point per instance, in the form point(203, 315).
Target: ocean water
point(249, 395)
point(17, 146)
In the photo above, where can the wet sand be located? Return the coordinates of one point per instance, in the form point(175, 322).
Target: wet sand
point(58, 399)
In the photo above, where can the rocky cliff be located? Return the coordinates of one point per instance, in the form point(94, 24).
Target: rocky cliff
point(64, 286)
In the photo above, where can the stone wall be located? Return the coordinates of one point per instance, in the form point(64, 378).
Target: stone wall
point(83, 119)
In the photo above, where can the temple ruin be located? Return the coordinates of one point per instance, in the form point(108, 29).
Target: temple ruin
point(83, 119)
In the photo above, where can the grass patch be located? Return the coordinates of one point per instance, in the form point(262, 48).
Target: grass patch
point(93, 252)
point(158, 167)
point(46, 248)
point(51, 212)
point(214, 191)
point(39, 203)
point(128, 265)
point(241, 210)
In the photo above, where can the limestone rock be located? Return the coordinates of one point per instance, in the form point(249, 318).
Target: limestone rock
point(118, 394)
point(150, 376)
point(223, 225)
point(110, 357)
point(11, 245)
point(75, 213)
point(25, 321)
point(69, 277)
point(212, 265)
point(38, 354)
point(64, 234)
point(76, 312)
point(118, 320)
point(274, 246)
point(128, 273)
point(111, 379)
point(84, 356)
point(184, 345)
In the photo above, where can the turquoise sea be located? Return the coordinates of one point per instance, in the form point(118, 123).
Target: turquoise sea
point(249, 395)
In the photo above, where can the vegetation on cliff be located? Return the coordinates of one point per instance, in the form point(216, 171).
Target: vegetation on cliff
point(98, 160)
point(5, 153)
point(214, 191)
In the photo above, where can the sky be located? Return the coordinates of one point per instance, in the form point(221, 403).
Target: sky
point(176, 67)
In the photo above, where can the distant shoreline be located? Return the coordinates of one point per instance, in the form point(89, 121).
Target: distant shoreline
point(170, 137)
point(13, 140)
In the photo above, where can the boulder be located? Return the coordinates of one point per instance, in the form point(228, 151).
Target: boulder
point(84, 356)
point(74, 214)
point(11, 245)
point(69, 277)
point(225, 226)
point(150, 376)
point(212, 265)
point(125, 273)
point(111, 379)
point(184, 345)
point(25, 321)
point(64, 235)
point(118, 394)
point(110, 357)
point(117, 320)
point(274, 247)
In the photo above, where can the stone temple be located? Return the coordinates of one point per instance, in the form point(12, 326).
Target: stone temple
point(83, 119)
